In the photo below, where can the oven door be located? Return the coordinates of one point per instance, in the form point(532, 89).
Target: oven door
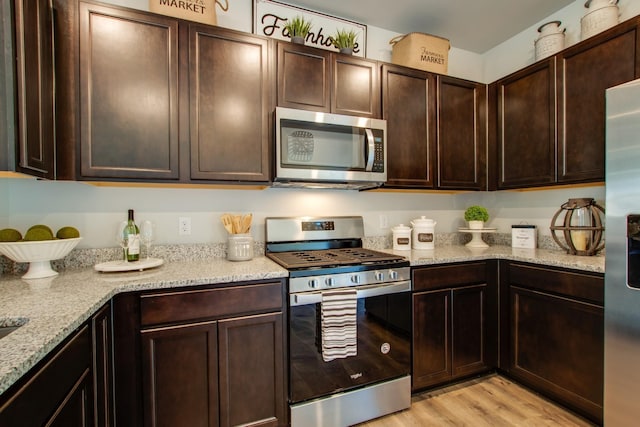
point(383, 343)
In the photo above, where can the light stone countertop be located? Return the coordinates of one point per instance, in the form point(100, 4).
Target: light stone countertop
point(54, 308)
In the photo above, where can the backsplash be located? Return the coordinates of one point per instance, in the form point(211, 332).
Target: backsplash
point(83, 258)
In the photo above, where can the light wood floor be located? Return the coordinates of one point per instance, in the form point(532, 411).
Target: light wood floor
point(488, 401)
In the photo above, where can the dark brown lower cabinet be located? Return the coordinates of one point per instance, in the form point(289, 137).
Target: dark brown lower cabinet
point(209, 356)
point(454, 322)
point(557, 335)
point(58, 392)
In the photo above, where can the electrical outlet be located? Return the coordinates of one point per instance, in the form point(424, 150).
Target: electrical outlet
point(384, 221)
point(184, 226)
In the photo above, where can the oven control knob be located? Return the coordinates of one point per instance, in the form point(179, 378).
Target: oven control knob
point(379, 275)
point(355, 278)
point(329, 281)
point(393, 275)
point(313, 283)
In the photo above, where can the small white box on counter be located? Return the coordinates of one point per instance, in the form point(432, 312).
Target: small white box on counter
point(524, 236)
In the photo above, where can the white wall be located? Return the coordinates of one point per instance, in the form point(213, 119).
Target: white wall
point(96, 210)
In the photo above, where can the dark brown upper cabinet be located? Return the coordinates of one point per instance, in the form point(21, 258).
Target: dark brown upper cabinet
point(584, 73)
point(35, 82)
point(461, 134)
point(436, 130)
point(128, 94)
point(409, 106)
point(315, 79)
point(526, 136)
point(141, 97)
point(230, 104)
point(551, 115)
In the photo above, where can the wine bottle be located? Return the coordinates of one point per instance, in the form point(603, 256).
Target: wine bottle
point(133, 239)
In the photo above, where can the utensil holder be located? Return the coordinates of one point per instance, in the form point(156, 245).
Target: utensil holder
point(240, 247)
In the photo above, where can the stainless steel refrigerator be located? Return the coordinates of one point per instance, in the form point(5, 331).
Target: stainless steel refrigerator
point(622, 275)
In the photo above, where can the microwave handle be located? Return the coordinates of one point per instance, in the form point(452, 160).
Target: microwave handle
point(370, 149)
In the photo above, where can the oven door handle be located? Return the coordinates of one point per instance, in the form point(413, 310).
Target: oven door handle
point(306, 298)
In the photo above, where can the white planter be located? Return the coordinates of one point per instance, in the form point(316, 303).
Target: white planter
point(476, 225)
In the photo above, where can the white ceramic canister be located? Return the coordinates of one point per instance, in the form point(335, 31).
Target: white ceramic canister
point(423, 234)
point(240, 247)
point(600, 15)
point(401, 238)
point(550, 41)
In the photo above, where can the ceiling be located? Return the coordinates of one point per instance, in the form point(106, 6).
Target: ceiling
point(472, 25)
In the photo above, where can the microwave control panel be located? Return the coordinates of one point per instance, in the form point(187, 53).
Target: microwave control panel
point(378, 155)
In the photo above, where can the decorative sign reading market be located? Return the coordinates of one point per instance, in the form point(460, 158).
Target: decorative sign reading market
point(203, 11)
point(271, 16)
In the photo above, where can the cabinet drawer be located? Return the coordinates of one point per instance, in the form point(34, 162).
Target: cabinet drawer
point(194, 305)
point(449, 275)
point(584, 286)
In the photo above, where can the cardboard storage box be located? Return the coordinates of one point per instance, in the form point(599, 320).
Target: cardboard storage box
point(422, 51)
point(203, 11)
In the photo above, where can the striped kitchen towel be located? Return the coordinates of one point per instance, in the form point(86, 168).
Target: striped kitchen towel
point(339, 326)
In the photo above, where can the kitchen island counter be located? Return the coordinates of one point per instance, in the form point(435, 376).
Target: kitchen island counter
point(53, 308)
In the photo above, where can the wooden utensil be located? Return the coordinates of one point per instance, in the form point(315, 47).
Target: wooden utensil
point(227, 222)
point(246, 223)
point(237, 226)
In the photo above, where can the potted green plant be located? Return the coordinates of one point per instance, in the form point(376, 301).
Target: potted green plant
point(476, 216)
point(298, 28)
point(344, 41)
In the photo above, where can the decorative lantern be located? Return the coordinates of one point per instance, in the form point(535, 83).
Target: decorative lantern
point(581, 227)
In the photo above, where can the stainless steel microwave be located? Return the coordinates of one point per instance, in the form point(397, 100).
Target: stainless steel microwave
point(324, 150)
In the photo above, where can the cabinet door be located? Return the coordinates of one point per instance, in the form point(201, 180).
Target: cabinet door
point(408, 105)
point(179, 372)
point(230, 105)
point(304, 77)
point(431, 338)
point(557, 347)
point(252, 376)
point(73, 412)
point(102, 367)
point(356, 86)
point(58, 393)
point(129, 94)
point(585, 72)
point(34, 80)
point(468, 330)
point(526, 127)
point(462, 140)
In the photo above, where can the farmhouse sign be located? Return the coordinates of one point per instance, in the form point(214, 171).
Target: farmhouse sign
point(270, 17)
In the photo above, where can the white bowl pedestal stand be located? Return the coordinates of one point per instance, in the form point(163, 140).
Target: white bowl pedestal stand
point(476, 236)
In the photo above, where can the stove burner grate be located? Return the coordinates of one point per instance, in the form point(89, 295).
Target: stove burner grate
point(331, 257)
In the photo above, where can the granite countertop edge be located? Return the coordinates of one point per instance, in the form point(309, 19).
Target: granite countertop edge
point(69, 301)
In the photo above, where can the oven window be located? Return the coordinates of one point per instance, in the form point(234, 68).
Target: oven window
point(384, 331)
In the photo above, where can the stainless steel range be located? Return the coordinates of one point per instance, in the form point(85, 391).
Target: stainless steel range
point(349, 321)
